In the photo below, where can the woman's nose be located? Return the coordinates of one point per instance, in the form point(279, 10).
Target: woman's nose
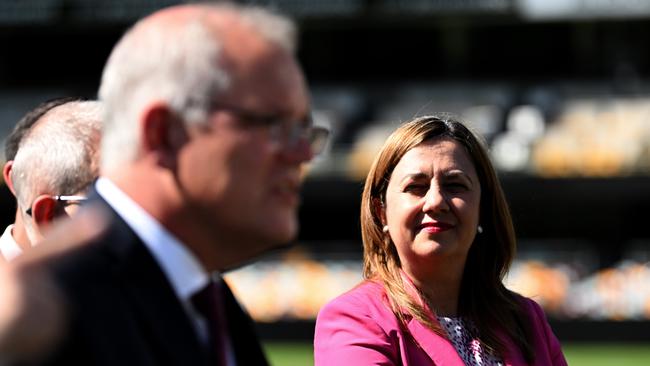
point(435, 200)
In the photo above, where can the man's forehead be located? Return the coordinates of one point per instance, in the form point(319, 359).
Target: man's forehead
point(269, 72)
point(218, 20)
point(263, 74)
point(183, 14)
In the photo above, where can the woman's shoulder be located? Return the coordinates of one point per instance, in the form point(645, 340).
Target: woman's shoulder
point(367, 291)
point(367, 298)
point(357, 327)
point(530, 307)
point(547, 346)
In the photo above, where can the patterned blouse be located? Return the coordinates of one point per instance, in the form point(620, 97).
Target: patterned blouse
point(462, 333)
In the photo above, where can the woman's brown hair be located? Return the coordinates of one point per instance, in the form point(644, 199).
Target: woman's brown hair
point(483, 298)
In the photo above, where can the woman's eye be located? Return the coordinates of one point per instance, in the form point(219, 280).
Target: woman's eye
point(416, 188)
point(457, 186)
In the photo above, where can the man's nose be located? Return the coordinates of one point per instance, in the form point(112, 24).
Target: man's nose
point(300, 151)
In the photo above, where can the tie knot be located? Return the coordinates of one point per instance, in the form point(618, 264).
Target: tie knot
point(205, 300)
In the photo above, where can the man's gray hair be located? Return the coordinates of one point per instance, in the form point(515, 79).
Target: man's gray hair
point(175, 65)
point(58, 156)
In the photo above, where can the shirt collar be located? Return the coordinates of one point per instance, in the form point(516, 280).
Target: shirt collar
point(179, 264)
point(9, 249)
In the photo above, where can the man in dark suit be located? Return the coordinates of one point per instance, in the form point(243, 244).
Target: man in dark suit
point(206, 129)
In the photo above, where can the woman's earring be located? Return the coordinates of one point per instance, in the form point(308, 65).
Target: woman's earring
point(480, 229)
point(385, 228)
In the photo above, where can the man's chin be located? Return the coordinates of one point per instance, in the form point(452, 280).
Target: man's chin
point(283, 228)
point(259, 251)
point(281, 240)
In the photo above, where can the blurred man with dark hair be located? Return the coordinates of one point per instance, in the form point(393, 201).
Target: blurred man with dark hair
point(52, 157)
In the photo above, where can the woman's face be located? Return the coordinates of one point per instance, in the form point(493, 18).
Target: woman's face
point(432, 205)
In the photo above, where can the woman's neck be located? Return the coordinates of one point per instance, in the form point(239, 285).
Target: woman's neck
point(440, 288)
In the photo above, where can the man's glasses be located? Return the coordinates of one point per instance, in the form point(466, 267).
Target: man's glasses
point(64, 200)
point(284, 132)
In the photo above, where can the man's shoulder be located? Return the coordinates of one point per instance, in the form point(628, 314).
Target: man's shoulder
point(86, 246)
point(90, 256)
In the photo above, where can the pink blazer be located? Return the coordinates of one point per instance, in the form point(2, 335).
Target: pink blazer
point(358, 328)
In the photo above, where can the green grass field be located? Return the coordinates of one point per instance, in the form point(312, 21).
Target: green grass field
point(577, 354)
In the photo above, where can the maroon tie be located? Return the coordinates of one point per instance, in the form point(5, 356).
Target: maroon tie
point(208, 303)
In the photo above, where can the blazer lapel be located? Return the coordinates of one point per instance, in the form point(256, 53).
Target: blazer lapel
point(441, 351)
point(438, 348)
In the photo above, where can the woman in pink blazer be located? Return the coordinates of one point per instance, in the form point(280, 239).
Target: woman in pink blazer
point(438, 240)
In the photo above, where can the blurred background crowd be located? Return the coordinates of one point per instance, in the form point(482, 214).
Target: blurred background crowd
point(558, 89)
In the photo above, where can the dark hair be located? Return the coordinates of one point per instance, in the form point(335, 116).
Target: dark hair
point(25, 124)
point(483, 298)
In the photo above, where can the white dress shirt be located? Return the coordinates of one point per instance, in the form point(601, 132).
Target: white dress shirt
point(9, 249)
point(179, 264)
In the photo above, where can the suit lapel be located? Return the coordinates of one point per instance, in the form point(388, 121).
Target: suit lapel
point(243, 337)
point(160, 311)
point(162, 318)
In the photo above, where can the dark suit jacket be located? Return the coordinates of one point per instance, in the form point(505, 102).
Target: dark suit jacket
point(125, 312)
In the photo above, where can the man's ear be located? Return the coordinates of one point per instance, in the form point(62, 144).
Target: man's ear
point(163, 134)
point(6, 174)
point(44, 210)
